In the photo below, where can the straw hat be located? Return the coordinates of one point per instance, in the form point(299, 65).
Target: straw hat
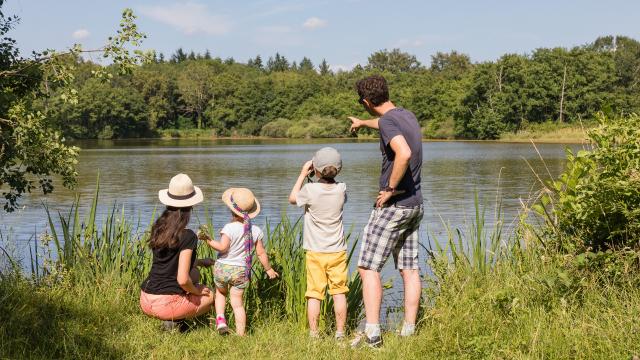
point(181, 192)
point(245, 200)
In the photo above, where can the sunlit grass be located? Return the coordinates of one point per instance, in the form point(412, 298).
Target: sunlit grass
point(487, 297)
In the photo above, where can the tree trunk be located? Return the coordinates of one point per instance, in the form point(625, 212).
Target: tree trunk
point(564, 81)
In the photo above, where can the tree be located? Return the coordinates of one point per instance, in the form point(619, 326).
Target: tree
point(394, 61)
point(179, 56)
point(306, 65)
point(325, 69)
point(255, 63)
point(277, 63)
point(194, 89)
point(31, 151)
point(207, 55)
point(451, 64)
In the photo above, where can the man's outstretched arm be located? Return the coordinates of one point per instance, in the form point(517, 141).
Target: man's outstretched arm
point(358, 123)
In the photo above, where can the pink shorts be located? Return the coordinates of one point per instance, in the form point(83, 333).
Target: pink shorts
point(170, 307)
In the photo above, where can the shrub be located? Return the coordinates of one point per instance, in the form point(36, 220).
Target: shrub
point(319, 127)
point(277, 128)
point(595, 203)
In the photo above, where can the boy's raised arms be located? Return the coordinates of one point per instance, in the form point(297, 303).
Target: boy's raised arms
point(306, 169)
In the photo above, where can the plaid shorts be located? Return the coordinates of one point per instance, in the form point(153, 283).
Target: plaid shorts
point(391, 230)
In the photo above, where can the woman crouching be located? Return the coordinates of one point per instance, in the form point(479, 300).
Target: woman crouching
point(171, 292)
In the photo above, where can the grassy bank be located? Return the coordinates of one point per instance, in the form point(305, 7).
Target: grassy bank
point(524, 308)
point(545, 132)
point(549, 132)
point(488, 297)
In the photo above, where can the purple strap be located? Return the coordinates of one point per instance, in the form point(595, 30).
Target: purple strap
point(247, 236)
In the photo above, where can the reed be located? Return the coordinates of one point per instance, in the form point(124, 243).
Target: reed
point(478, 248)
point(94, 250)
point(116, 248)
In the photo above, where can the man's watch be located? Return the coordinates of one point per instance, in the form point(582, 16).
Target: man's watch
point(389, 189)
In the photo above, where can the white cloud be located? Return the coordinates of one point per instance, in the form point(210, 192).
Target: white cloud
point(188, 17)
point(314, 23)
point(342, 67)
point(80, 34)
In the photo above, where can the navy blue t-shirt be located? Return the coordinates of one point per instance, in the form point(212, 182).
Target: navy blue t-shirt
point(403, 122)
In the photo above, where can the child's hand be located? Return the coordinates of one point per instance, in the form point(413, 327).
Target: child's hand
point(203, 233)
point(207, 262)
point(272, 274)
point(205, 291)
point(307, 168)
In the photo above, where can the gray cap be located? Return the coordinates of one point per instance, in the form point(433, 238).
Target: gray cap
point(327, 156)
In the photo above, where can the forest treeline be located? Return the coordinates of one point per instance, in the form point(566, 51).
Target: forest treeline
point(452, 96)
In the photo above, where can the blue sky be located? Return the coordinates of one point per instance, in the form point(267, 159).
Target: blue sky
point(344, 32)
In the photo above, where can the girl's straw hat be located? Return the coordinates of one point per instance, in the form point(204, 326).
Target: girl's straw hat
point(244, 199)
point(181, 192)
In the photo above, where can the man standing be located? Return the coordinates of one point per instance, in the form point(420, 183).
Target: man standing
point(395, 221)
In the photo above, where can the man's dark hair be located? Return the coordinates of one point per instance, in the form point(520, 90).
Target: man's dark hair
point(373, 88)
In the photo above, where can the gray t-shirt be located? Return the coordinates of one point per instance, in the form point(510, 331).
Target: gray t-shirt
point(395, 122)
point(323, 229)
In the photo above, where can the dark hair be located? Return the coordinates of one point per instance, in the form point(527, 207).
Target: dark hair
point(373, 88)
point(166, 230)
point(329, 173)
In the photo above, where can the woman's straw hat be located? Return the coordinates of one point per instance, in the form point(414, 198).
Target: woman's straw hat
point(244, 199)
point(181, 192)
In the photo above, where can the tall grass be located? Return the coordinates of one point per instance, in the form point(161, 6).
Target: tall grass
point(489, 298)
point(117, 249)
point(477, 248)
point(93, 250)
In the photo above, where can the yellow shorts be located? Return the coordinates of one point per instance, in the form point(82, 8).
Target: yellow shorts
point(326, 269)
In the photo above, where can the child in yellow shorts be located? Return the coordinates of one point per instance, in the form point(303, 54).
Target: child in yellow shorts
point(323, 239)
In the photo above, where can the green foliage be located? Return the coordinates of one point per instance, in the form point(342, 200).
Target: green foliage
point(277, 128)
point(595, 203)
point(30, 149)
point(453, 97)
point(393, 61)
point(33, 151)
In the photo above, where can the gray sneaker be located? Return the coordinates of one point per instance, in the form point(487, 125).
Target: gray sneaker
point(171, 326)
point(373, 342)
point(361, 339)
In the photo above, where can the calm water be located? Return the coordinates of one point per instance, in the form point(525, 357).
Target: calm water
point(132, 172)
